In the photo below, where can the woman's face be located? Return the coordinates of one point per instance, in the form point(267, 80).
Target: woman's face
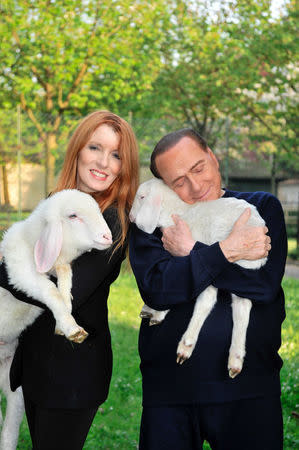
point(98, 162)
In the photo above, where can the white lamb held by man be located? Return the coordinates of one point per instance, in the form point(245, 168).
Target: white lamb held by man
point(209, 222)
point(61, 228)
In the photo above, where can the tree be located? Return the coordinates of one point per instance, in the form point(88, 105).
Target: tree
point(270, 103)
point(226, 60)
point(66, 57)
point(18, 144)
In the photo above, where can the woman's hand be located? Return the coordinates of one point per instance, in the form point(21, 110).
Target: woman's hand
point(177, 239)
point(246, 242)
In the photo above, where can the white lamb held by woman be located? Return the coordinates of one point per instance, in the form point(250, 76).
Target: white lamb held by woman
point(209, 222)
point(60, 229)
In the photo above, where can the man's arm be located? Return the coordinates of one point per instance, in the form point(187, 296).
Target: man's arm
point(244, 241)
point(165, 280)
point(249, 243)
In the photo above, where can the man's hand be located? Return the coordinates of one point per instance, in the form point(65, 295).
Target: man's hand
point(178, 239)
point(246, 242)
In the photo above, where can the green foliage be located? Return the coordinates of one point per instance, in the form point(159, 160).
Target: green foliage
point(235, 60)
point(294, 254)
point(71, 57)
point(188, 62)
point(74, 55)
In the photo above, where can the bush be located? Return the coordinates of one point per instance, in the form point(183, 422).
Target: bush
point(294, 254)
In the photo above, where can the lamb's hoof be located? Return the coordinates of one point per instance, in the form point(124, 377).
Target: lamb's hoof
point(145, 315)
point(79, 336)
point(154, 322)
point(233, 372)
point(59, 332)
point(184, 350)
point(235, 364)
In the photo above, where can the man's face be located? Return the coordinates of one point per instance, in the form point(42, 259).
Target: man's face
point(190, 171)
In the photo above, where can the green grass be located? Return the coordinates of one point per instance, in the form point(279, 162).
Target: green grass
point(116, 425)
point(290, 372)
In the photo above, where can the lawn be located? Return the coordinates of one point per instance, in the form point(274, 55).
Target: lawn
point(117, 421)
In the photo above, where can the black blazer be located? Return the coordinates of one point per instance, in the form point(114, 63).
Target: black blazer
point(53, 371)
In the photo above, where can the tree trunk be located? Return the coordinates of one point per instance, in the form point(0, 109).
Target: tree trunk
point(5, 186)
point(297, 234)
point(273, 174)
point(50, 145)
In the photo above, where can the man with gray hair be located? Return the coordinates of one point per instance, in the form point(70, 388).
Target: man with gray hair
point(184, 405)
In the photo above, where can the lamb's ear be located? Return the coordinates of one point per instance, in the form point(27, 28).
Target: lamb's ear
point(48, 246)
point(148, 216)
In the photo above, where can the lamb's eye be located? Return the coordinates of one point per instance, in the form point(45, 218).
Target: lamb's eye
point(142, 197)
point(72, 216)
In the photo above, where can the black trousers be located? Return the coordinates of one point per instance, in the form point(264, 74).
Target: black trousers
point(251, 424)
point(58, 429)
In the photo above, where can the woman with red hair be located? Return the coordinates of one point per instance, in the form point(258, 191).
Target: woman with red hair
point(63, 382)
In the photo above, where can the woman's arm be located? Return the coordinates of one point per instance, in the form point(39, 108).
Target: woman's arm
point(20, 295)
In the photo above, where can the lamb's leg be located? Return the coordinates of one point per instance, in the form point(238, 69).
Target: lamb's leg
point(14, 409)
point(158, 317)
point(203, 306)
point(241, 308)
point(64, 284)
point(155, 317)
point(50, 296)
point(146, 312)
point(13, 418)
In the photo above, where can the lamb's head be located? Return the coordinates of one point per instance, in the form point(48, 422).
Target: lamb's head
point(146, 208)
point(72, 225)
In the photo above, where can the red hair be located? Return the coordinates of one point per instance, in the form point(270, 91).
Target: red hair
point(122, 191)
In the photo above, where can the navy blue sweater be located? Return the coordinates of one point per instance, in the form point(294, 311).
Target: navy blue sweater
point(168, 282)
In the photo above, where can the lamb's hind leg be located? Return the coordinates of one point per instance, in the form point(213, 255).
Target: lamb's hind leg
point(13, 418)
point(14, 410)
point(203, 306)
point(155, 317)
point(241, 308)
